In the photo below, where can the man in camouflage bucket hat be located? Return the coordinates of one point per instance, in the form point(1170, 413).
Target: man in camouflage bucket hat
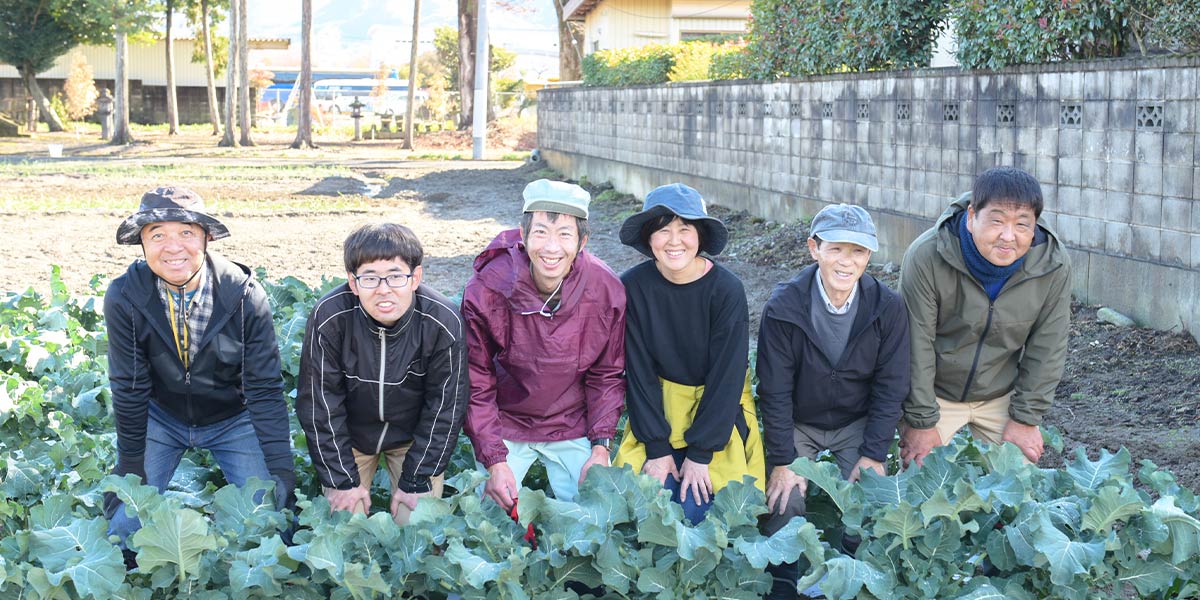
point(192, 356)
point(169, 204)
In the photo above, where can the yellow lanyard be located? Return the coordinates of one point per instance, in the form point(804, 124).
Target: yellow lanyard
point(181, 343)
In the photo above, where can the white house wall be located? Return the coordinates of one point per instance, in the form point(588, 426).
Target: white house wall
point(628, 23)
point(633, 23)
point(147, 63)
point(710, 9)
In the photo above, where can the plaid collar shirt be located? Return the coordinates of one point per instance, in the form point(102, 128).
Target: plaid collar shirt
point(198, 311)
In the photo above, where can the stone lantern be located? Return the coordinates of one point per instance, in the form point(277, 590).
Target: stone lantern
point(356, 114)
point(104, 112)
point(31, 114)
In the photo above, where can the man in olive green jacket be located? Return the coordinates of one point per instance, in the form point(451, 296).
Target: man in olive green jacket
point(989, 303)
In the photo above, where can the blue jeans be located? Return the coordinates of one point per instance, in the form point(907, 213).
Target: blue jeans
point(232, 442)
point(695, 512)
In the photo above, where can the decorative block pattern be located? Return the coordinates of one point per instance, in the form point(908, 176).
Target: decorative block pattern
point(903, 111)
point(950, 111)
point(1070, 115)
point(1150, 116)
point(1005, 114)
point(827, 110)
point(864, 111)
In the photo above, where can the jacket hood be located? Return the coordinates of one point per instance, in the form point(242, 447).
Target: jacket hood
point(1044, 256)
point(504, 268)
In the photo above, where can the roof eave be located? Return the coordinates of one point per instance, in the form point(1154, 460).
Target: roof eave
point(576, 10)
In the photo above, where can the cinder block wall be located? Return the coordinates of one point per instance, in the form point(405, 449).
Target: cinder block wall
point(1113, 142)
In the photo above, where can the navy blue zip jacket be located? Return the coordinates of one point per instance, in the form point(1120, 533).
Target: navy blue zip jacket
point(236, 367)
point(798, 385)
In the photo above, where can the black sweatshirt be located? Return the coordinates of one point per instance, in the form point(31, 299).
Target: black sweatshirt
point(693, 334)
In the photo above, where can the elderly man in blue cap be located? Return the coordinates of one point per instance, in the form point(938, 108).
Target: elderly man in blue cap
point(833, 367)
point(192, 356)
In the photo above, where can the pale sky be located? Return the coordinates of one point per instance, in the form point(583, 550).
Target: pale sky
point(365, 33)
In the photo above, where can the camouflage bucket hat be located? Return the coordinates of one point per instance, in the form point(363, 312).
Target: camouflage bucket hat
point(169, 204)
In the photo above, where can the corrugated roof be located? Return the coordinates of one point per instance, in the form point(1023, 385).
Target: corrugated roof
point(576, 10)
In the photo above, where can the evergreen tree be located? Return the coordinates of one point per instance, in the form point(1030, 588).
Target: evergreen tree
point(33, 34)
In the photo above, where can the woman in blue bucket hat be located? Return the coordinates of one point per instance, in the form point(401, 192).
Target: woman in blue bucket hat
point(692, 422)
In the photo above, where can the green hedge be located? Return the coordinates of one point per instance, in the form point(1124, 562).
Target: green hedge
point(791, 38)
point(657, 63)
point(730, 62)
point(995, 34)
point(1171, 25)
point(794, 38)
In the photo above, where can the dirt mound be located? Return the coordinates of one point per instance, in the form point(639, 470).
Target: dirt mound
point(345, 186)
point(508, 135)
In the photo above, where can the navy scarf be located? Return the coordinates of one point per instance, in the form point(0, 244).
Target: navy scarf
point(991, 276)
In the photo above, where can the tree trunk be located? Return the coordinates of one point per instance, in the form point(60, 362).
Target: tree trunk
point(467, 29)
point(412, 78)
point(570, 46)
point(213, 114)
point(172, 100)
point(304, 101)
point(243, 62)
point(231, 83)
point(43, 104)
point(121, 132)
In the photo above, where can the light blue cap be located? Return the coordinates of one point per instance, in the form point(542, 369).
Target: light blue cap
point(556, 197)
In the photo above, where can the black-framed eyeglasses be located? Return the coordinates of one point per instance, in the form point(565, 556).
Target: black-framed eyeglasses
point(394, 280)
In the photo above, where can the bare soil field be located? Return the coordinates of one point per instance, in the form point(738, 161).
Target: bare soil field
point(289, 213)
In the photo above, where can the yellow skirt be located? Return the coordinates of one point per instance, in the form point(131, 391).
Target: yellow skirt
point(738, 458)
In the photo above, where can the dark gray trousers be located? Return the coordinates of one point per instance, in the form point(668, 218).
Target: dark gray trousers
point(843, 443)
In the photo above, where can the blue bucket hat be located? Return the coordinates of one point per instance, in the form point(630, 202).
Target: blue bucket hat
point(679, 200)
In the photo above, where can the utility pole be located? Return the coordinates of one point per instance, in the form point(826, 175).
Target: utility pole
point(479, 122)
point(412, 79)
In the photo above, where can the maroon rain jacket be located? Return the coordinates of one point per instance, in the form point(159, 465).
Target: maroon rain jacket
point(538, 378)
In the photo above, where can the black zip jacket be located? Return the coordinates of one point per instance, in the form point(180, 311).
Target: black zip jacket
point(374, 388)
point(797, 383)
point(236, 367)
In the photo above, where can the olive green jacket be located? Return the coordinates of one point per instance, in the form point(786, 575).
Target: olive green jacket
point(967, 348)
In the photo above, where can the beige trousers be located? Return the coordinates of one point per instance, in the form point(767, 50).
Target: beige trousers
point(367, 465)
point(986, 418)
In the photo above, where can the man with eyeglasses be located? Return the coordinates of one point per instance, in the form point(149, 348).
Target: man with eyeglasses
point(192, 357)
point(546, 344)
point(382, 376)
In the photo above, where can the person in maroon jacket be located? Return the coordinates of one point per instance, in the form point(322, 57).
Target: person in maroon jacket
point(545, 328)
